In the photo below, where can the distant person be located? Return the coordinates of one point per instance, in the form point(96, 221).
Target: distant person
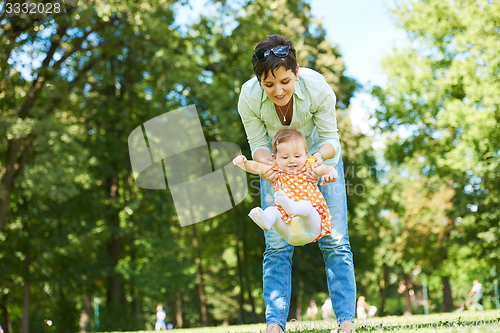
point(160, 318)
point(1, 329)
point(475, 295)
point(84, 321)
point(327, 309)
point(362, 307)
point(312, 310)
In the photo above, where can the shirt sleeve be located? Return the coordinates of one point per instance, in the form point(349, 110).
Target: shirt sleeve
point(249, 110)
point(325, 119)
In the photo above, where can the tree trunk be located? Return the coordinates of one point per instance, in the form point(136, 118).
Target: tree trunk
point(447, 297)
point(113, 246)
point(239, 320)
point(255, 319)
point(383, 289)
point(201, 293)
point(87, 305)
point(13, 164)
point(298, 310)
point(177, 309)
point(292, 313)
point(5, 313)
point(4, 65)
point(245, 281)
point(9, 172)
point(135, 304)
point(407, 281)
point(26, 298)
point(113, 295)
point(201, 284)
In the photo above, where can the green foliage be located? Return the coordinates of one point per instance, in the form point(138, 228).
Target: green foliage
point(440, 114)
point(77, 227)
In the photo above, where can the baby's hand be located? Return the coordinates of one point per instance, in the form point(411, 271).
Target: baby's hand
point(329, 178)
point(240, 161)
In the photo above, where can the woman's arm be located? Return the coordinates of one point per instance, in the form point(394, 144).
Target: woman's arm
point(263, 156)
point(324, 117)
point(249, 105)
point(326, 151)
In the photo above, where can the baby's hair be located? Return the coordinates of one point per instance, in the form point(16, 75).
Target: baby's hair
point(287, 135)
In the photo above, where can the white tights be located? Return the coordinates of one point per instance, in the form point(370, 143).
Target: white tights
point(309, 217)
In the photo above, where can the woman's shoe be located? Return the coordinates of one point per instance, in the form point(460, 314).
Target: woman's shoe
point(273, 328)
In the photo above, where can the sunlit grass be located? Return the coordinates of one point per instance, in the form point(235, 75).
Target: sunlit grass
point(467, 321)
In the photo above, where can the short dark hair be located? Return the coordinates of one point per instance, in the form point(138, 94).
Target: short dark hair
point(273, 62)
point(287, 135)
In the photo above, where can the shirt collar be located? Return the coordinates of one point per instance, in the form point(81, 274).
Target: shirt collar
point(299, 89)
point(264, 95)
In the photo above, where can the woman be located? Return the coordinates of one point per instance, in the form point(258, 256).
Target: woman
point(280, 97)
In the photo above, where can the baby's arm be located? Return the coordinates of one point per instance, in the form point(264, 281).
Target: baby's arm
point(327, 173)
point(250, 166)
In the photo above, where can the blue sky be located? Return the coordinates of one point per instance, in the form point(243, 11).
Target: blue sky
point(365, 32)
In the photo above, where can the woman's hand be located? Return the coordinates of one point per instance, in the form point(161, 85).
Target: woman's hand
point(312, 175)
point(319, 159)
point(269, 175)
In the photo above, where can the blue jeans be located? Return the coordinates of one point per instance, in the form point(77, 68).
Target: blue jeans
point(277, 264)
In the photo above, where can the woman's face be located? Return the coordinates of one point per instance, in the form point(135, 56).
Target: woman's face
point(280, 87)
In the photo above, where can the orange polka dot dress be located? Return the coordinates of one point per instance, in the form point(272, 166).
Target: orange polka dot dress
point(298, 188)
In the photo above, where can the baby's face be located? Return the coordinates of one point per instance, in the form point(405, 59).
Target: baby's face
point(291, 156)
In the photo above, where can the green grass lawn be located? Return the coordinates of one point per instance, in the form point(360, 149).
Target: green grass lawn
point(467, 321)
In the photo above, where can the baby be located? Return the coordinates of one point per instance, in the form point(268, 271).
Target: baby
point(294, 194)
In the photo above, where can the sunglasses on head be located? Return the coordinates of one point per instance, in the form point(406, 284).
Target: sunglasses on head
point(280, 51)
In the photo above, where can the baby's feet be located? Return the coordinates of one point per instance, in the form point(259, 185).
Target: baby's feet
point(284, 201)
point(258, 216)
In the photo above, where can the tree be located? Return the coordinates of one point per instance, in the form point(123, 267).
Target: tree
point(73, 224)
point(55, 117)
point(442, 93)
